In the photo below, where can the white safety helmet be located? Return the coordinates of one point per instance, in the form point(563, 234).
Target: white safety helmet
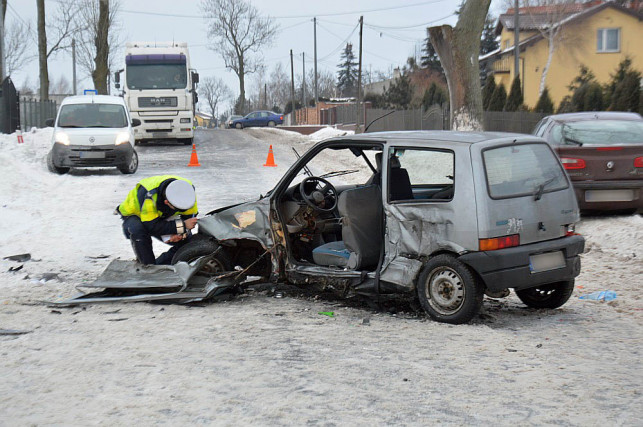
point(180, 194)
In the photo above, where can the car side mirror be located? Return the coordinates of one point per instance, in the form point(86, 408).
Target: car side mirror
point(136, 122)
point(49, 122)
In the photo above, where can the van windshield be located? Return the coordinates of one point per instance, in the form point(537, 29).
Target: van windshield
point(522, 170)
point(92, 116)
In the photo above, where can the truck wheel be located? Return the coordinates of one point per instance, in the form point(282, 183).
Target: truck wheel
point(132, 166)
point(53, 168)
point(272, 124)
point(187, 141)
point(448, 291)
point(239, 126)
point(552, 295)
point(200, 246)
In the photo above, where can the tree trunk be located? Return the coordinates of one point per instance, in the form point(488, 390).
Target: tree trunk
point(42, 51)
point(99, 76)
point(550, 55)
point(242, 88)
point(458, 50)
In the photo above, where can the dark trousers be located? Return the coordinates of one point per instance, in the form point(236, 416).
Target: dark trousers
point(141, 240)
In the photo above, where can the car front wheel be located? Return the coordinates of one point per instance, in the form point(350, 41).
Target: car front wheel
point(200, 246)
point(553, 295)
point(132, 166)
point(239, 126)
point(448, 291)
point(52, 167)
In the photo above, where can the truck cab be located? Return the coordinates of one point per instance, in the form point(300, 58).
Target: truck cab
point(159, 89)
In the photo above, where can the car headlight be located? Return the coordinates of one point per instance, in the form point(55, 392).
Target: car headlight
point(61, 138)
point(185, 120)
point(122, 138)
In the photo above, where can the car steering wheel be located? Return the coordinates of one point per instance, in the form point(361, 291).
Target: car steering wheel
point(323, 198)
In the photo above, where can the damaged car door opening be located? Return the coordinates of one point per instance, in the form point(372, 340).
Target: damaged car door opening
point(441, 217)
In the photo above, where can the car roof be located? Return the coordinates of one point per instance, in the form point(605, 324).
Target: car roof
point(440, 135)
point(93, 99)
point(595, 115)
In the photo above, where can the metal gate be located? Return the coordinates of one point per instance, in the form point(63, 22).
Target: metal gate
point(9, 107)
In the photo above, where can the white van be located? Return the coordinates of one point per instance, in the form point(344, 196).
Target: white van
point(93, 131)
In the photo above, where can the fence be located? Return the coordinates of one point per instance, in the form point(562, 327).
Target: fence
point(34, 112)
point(435, 118)
point(505, 121)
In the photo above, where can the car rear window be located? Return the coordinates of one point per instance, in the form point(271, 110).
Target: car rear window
point(92, 116)
point(523, 169)
point(598, 132)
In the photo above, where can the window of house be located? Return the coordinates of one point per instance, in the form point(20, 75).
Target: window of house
point(608, 40)
point(421, 174)
point(507, 44)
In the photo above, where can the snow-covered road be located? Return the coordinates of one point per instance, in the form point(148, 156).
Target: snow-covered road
point(276, 361)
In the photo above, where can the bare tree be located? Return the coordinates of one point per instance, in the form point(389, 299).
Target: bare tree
point(238, 31)
point(546, 17)
point(17, 44)
point(60, 86)
point(214, 91)
point(458, 49)
point(98, 39)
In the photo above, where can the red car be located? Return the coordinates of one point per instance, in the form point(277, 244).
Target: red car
point(602, 153)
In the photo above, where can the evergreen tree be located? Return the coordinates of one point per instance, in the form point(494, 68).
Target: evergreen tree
point(515, 99)
point(347, 74)
point(566, 105)
point(400, 92)
point(498, 98)
point(544, 105)
point(593, 97)
point(376, 100)
point(487, 92)
point(434, 95)
point(624, 91)
point(430, 57)
point(489, 42)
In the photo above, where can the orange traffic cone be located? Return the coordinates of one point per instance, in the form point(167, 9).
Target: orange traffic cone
point(270, 161)
point(194, 159)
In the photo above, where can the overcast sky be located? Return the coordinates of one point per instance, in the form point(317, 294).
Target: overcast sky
point(393, 31)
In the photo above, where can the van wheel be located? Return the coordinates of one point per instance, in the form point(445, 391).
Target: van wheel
point(52, 167)
point(200, 246)
point(132, 166)
point(448, 291)
point(552, 295)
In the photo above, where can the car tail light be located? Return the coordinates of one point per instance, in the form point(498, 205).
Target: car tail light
point(569, 163)
point(638, 162)
point(281, 117)
point(499, 242)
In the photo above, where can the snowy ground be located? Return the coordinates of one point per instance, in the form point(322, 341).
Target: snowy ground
point(264, 360)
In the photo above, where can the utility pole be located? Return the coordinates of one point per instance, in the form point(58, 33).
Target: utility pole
point(2, 65)
point(303, 81)
point(359, 76)
point(516, 40)
point(265, 95)
point(73, 60)
point(315, 37)
point(292, 89)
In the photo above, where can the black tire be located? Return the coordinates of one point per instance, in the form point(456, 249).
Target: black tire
point(137, 142)
point(272, 124)
point(53, 168)
point(132, 166)
point(553, 295)
point(448, 291)
point(239, 126)
point(187, 141)
point(200, 246)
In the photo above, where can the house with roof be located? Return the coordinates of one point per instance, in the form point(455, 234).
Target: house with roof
point(597, 34)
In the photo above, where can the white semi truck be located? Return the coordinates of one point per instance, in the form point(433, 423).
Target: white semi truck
point(160, 90)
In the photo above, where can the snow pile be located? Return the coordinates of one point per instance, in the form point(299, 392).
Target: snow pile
point(329, 132)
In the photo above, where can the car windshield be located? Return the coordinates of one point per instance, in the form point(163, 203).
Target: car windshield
point(157, 76)
point(599, 132)
point(92, 116)
point(521, 170)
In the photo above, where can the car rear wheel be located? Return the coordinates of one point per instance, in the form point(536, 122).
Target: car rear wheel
point(272, 124)
point(53, 168)
point(200, 246)
point(239, 126)
point(448, 291)
point(553, 295)
point(132, 166)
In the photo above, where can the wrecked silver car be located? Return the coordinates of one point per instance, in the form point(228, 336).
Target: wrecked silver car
point(444, 217)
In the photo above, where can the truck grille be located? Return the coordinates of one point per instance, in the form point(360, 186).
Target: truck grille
point(153, 102)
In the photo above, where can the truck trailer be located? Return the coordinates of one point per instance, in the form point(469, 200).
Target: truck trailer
point(160, 90)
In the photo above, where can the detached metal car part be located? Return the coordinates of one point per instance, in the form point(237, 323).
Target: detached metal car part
point(439, 216)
